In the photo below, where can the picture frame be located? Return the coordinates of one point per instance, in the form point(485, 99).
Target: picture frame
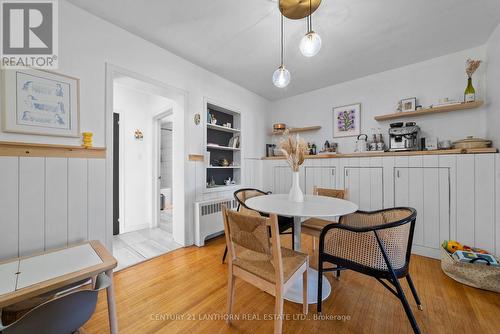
point(347, 120)
point(40, 102)
point(409, 104)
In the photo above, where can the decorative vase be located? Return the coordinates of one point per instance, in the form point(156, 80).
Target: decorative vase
point(295, 194)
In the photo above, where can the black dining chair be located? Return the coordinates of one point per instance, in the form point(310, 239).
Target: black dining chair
point(242, 195)
point(64, 314)
point(376, 244)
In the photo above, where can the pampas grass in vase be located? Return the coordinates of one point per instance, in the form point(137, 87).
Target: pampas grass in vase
point(295, 149)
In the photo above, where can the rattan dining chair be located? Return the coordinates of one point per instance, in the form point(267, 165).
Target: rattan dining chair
point(314, 226)
point(256, 256)
point(285, 224)
point(377, 244)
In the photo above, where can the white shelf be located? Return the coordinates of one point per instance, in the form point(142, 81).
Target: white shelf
point(222, 188)
point(223, 167)
point(222, 128)
point(222, 148)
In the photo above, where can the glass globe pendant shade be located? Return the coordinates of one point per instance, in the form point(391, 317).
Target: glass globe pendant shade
point(310, 44)
point(281, 77)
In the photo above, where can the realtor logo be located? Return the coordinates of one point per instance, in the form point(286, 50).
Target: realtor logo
point(29, 34)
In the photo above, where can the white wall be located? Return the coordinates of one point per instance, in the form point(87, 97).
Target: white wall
point(136, 110)
point(87, 43)
point(379, 93)
point(493, 86)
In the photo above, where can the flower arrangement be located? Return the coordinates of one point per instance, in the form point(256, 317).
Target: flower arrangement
point(472, 66)
point(294, 148)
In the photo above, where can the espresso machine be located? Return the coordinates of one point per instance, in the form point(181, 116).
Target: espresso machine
point(404, 137)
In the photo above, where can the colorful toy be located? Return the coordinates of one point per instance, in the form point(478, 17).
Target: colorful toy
point(452, 246)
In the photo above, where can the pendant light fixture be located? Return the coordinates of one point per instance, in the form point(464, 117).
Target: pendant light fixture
point(281, 77)
point(311, 42)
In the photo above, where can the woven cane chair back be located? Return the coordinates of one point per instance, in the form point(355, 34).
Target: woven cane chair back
point(362, 247)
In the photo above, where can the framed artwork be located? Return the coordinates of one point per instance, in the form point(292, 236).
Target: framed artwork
point(347, 120)
point(41, 103)
point(409, 104)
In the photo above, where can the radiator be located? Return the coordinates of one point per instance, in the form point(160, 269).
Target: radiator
point(208, 218)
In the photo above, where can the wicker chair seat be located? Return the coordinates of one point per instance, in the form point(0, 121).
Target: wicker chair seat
point(260, 265)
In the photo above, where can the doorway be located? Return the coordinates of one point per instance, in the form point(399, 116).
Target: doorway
point(164, 170)
point(138, 231)
point(116, 173)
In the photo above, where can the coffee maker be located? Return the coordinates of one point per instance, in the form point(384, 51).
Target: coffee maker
point(404, 137)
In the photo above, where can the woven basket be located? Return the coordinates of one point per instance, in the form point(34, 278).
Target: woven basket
point(475, 275)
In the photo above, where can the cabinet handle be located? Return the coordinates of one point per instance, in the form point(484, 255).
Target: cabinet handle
point(397, 173)
point(333, 172)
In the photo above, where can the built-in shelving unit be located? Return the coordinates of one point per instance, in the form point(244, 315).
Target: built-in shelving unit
point(294, 130)
point(434, 110)
point(220, 139)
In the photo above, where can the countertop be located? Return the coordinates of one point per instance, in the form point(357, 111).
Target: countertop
point(389, 154)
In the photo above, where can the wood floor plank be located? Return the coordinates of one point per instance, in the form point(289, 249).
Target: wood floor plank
point(185, 292)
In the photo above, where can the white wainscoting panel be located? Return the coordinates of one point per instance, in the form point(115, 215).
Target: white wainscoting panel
point(50, 202)
point(9, 195)
point(484, 196)
point(465, 199)
point(56, 202)
point(77, 200)
point(31, 205)
point(97, 200)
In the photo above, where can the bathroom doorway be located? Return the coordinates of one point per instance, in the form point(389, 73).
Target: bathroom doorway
point(164, 188)
point(141, 104)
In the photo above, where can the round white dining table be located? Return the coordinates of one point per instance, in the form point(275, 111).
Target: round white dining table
point(313, 206)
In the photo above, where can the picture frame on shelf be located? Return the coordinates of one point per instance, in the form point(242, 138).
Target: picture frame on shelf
point(347, 120)
point(409, 104)
point(40, 102)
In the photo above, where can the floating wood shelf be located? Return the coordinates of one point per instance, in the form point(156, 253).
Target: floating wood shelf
point(435, 110)
point(294, 130)
point(18, 149)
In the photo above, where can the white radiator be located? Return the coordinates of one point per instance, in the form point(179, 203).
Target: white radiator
point(208, 218)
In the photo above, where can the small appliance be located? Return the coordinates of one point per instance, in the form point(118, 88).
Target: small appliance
point(362, 143)
point(404, 137)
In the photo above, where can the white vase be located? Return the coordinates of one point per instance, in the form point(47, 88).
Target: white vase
point(295, 194)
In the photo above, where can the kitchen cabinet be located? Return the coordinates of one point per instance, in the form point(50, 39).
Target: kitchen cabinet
point(427, 189)
point(282, 179)
point(319, 176)
point(456, 195)
point(364, 186)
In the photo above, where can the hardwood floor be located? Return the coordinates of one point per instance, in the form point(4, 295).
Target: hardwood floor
point(185, 292)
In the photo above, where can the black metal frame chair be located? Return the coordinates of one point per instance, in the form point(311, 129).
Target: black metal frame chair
point(284, 223)
point(377, 231)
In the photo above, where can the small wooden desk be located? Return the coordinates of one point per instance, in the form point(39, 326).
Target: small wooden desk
point(27, 277)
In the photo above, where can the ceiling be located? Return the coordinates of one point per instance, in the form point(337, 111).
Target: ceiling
point(239, 40)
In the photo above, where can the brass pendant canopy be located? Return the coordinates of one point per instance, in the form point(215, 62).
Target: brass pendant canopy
point(298, 9)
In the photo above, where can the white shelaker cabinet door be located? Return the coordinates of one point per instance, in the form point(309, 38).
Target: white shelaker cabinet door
point(427, 190)
point(364, 186)
point(282, 179)
point(321, 177)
